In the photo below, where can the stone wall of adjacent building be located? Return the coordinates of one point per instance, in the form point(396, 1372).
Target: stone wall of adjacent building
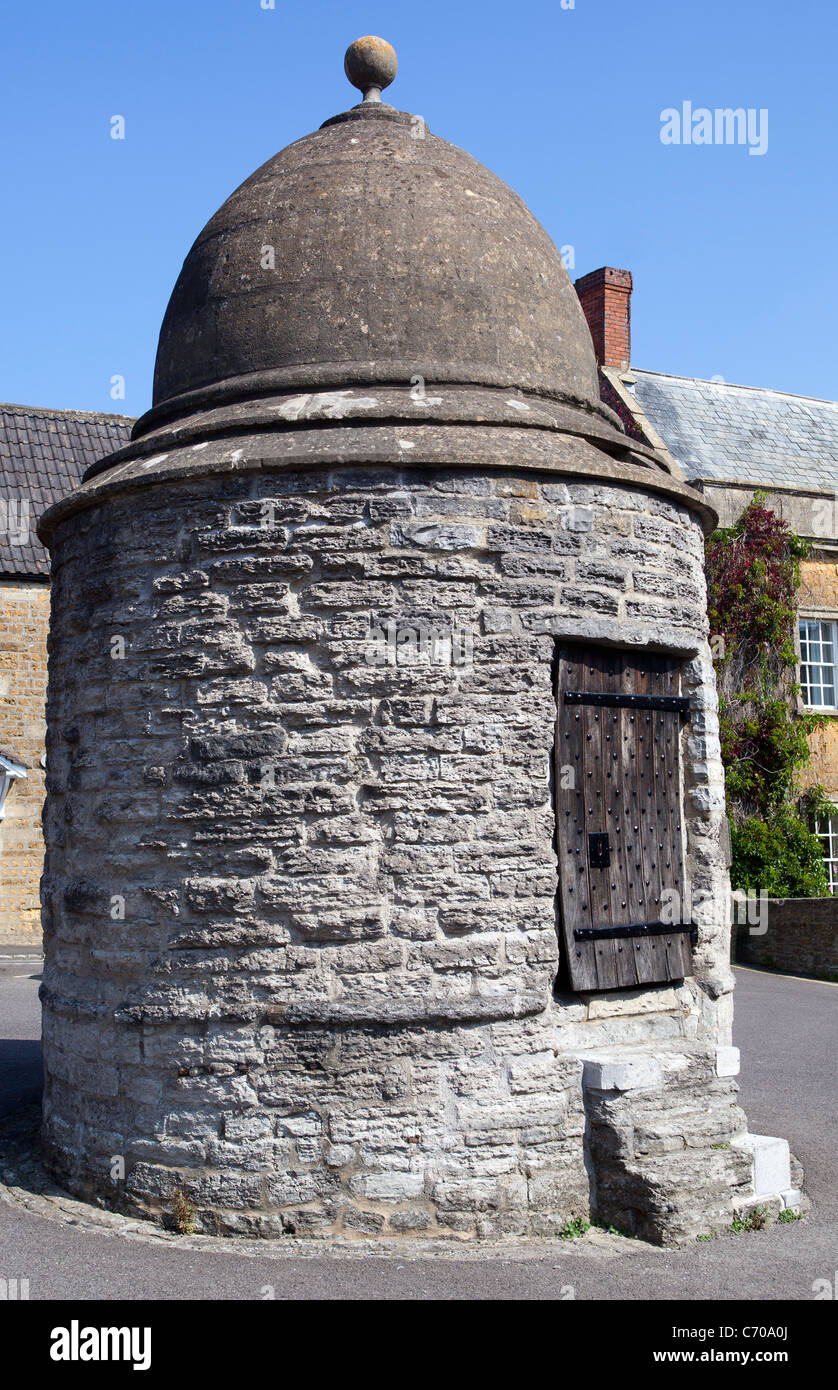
point(818, 598)
point(812, 513)
point(801, 936)
point(24, 621)
point(301, 892)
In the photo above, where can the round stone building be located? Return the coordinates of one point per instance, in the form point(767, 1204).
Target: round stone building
point(385, 888)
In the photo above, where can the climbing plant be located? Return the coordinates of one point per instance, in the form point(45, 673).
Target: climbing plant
point(753, 573)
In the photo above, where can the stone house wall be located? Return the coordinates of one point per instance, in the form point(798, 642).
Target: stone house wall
point(24, 621)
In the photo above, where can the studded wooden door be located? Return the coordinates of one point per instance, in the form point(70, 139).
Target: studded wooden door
point(618, 814)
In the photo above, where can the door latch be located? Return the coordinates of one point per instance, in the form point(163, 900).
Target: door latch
point(599, 850)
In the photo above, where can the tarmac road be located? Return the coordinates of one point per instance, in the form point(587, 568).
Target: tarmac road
point(786, 1028)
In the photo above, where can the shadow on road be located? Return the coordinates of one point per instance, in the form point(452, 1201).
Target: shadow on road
point(21, 1074)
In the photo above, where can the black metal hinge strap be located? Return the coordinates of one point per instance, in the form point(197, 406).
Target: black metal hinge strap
point(617, 699)
point(636, 929)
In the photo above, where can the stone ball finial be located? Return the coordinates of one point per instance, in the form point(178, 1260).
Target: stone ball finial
point(371, 64)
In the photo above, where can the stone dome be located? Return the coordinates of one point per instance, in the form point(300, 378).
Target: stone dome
point(373, 251)
point(373, 295)
point(370, 295)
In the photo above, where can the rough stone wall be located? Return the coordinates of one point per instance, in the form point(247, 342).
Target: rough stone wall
point(819, 585)
point(810, 512)
point(24, 620)
point(801, 936)
point(300, 902)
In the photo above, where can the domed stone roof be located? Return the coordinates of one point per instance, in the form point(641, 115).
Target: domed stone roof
point(373, 296)
point(390, 254)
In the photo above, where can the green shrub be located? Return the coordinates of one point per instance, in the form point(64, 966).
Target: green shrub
point(781, 856)
point(574, 1227)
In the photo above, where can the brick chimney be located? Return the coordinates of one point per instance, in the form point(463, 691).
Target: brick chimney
point(605, 296)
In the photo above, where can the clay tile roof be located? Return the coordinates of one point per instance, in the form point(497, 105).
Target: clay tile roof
point(742, 433)
point(43, 454)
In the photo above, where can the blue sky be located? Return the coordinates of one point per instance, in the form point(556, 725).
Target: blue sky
point(733, 255)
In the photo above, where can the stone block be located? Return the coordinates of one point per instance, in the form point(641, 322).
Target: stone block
point(727, 1061)
point(772, 1167)
point(427, 536)
point(388, 1187)
point(621, 1073)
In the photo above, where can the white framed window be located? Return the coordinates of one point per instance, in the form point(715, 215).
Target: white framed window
point(826, 830)
point(818, 657)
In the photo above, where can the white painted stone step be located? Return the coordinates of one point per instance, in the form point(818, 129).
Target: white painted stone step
point(772, 1164)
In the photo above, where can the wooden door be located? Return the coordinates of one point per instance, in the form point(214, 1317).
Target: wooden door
point(618, 818)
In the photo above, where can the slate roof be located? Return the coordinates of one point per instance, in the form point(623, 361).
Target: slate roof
point(742, 433)
point(43, 454)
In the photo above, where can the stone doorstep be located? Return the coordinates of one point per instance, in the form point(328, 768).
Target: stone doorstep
point(631, 1068)
point(634, 1069)
point(616, 1072)
point(638, 1067)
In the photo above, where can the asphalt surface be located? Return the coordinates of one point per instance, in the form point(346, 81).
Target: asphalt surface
point(20, 1033)
point(786, 1028)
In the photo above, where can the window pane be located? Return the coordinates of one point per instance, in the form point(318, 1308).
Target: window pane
point(827, 832)
point(817, 662)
